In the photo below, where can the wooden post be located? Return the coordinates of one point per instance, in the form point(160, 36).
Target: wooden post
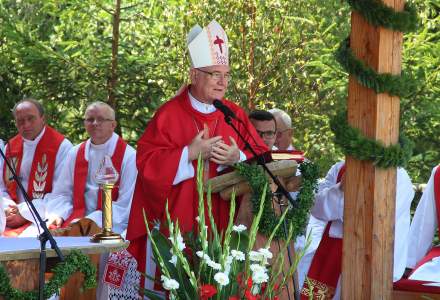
point(367, 265)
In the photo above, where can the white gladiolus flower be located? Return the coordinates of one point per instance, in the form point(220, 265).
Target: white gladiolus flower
point(168, 283)
point(239, 228)
point(173, 260)
point(199, 254)
point(238, 255)
point(221, 278)
point(179, 239)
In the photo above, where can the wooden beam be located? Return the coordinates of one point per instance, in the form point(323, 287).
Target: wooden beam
point(370, 191)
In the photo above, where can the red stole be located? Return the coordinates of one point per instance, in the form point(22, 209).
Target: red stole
point(43, 164)
point(42, 168)
point(80, 180)
point(326, 265)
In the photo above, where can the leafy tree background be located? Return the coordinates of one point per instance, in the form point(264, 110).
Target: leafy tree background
point(67, 53)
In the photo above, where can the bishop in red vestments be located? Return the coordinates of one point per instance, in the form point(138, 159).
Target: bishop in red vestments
point(184, 127)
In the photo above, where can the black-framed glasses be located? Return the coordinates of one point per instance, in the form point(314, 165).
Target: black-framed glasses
point(97, 120)
point(270, 134)
point(217, 75)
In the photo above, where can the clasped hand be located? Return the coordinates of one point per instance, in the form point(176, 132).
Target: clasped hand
point(214, 149)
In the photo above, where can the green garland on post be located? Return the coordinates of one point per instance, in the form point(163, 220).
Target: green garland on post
point(395, 85)
point(362, 148)
point(351, 139)
point(75, 261)
point(378, 14)
point(297, 216)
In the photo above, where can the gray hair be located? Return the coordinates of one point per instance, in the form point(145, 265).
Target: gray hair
point(37, 104)
point(283, 115)
point(104, 105)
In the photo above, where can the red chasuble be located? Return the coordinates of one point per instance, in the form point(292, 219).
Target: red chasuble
point(173, 127)
point(42, 169)
point(80, 179)
point(326, 265)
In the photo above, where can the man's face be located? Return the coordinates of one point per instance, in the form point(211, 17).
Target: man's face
point(28, 120)
point(284, 135)
point(99, 124)
point(209, 83)
point(267, 131)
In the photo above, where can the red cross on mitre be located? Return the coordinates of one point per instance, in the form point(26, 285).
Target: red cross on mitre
point(218, 41)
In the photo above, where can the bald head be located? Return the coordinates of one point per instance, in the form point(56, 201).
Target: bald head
point(284, 128)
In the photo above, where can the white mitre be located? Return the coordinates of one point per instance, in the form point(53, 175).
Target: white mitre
point(208, 46)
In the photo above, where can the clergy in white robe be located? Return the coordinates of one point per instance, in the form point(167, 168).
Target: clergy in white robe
point(421, 235)
point(329, 206)
point(37, 153)
point(100, 124)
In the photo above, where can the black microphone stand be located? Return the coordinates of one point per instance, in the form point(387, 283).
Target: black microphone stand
point(280, 187)
point(43, 237)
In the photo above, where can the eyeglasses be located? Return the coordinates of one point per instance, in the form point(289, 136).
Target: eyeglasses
point(280, 132)
point(97, 120)
point(217, 75)
point(267, 134)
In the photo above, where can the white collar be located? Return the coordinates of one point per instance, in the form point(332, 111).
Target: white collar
point(36, 140)
point(109, 146)
point(201, 107)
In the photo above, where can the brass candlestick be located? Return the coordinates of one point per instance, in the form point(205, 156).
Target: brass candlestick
point(106, 176)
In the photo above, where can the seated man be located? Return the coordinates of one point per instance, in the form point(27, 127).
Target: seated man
point(266, 126)
point(284, 129)
point(37, 153)
point(422, 231)
point(77, 195)
point(325, 268)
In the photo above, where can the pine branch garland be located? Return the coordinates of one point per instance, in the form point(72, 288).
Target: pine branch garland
point(378, 14)
point(353, 143)
point(75, 261)
point(395, 85)
point(298, 215)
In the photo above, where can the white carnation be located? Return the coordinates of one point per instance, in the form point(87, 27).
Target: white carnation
point(265, 252)
point(221, 278)
point(260, 277)
point(255, 256)
point(239, 228)
point(169, 284)
point(213, 264)
point(238, 255)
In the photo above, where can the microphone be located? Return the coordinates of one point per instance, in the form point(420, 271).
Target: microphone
point(224, 109)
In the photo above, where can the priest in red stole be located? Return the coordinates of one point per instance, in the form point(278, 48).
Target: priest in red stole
point(37, 153)
point(326, 266)
point(184, 127)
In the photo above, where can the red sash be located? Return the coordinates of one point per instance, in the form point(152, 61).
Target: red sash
point(80, 179)
point(42, 169)
point(326, 265)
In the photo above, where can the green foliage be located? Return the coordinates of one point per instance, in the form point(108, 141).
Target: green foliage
point(357, 145)
point(75, 261)
point(297, 216)
point(281, 56)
